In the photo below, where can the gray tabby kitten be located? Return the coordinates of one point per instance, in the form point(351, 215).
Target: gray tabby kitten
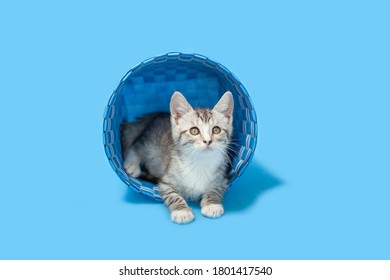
point(186, 152)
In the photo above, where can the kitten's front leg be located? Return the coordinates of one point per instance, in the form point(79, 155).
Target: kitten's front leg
point(211, 202)
point(180, 212)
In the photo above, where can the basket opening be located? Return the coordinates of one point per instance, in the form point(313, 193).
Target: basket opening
point(148, 88)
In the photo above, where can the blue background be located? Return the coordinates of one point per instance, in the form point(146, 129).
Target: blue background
point(317, 71)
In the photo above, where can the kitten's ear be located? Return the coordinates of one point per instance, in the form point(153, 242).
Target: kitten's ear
point(179, 105)
point(225, 105)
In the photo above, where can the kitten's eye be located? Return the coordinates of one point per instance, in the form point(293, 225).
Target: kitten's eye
point(216, 129)
point(194, 131)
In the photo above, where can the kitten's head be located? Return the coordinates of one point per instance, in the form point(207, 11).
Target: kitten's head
point(204, 131)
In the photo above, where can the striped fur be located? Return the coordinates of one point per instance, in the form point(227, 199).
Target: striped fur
point(187, 163)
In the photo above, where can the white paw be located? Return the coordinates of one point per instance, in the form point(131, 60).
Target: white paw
point(132, 169)
point(182, 216)
point(212, 210)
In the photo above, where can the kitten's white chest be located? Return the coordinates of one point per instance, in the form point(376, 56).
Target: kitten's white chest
point(197, 176)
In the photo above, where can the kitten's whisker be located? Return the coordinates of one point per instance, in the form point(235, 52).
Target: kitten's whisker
point(226, 155)
point(232, 143)
point(234, 151)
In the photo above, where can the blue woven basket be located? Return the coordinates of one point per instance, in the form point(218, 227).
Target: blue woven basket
point(148, 87)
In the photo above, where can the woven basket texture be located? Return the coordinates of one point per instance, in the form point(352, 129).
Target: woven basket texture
point(148, 87)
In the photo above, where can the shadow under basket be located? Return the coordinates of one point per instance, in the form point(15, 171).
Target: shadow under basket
point(148, 87)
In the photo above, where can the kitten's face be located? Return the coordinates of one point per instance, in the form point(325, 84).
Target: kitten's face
point(204, 131)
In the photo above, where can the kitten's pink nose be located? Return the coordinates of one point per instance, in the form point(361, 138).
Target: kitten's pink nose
point(207, 142)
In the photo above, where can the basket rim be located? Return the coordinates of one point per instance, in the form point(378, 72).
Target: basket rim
point(136, 184)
